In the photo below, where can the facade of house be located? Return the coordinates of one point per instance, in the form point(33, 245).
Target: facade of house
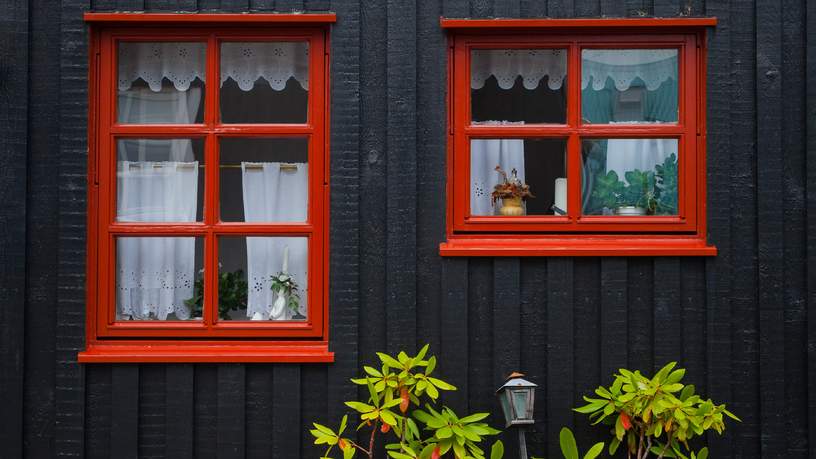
point(383, 121)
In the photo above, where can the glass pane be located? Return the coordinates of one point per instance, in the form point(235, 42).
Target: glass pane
point(629, 85)
point(161, 82)
point(264, 82)
point(159, 278)
point(515, 177)
point(629, 177)
point(159, 180)
point(264, 180)
point(518, 85)
point(263, 278)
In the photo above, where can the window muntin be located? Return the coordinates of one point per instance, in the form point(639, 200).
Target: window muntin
point(179, 198)
point(578, 131)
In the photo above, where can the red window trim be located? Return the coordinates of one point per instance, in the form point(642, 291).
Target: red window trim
point(206, 340)
point(576, 235)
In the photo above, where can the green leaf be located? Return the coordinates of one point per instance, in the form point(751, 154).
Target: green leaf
point(388, 360)
point(360, 407)
point(441, 384)
point(431, 365)
point(687, 392)
point(594, 451)
point(343, 424)
point(422, 352)
point(349, 452)
point(397, 455)
point(675, 376)
point(613, 446)
point(497, 450)
point(444, 432)
point(703, 454)
point(473, 418)
point(568, 447)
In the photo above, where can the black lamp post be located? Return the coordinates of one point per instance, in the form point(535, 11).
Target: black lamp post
point(517, 397)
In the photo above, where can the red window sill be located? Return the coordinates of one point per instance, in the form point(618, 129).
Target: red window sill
point(576, 246)
point(185, 352)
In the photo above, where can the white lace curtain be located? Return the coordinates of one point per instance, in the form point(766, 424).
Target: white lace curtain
point(485, 155)
point(155, 274)
point(274, 194)
point(183, 63)
point(623, 66)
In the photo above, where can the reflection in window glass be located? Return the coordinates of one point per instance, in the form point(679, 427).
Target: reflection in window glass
point(161, 82)
point(521, 85)
point(262, 278)
point(629, 177)
point(629, 85)
point(159, 180)
point(264, 180)
point(540, 164)
point(264, 82)
point(159, 278)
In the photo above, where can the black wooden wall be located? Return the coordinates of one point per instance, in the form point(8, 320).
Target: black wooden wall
point(738, 322)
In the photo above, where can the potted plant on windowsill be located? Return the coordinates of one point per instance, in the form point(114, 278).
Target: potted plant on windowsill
point(643, 192)
point(512, 192)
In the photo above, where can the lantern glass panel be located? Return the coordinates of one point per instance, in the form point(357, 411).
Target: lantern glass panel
point(506, 409)
point(520, 399)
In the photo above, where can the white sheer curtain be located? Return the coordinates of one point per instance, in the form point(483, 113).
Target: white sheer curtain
point(155, 274)
point(274, 194)
point(485, 155)
point(624, 155)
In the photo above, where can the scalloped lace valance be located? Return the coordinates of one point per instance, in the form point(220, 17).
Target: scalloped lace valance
point(652, 66)
point(182, 63)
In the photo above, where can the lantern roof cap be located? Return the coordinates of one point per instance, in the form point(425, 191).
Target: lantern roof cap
point(515, 379)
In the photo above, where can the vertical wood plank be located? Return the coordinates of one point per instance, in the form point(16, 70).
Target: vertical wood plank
point(288, 6)
point(534, 340)
point(560, 347)
point(506, 318)
point(480, 334)
point(745, 326)
point(614, 317)
point(71, 306)
point(98, 408)
point(587, 8)
point(666, 8)
point(668, 330)
point(180, 411)
point(14, 26)
point(561, 8)
point(152, 420)
point(373, 186)
point(41, 251)
point(345, 231)
point(401, 170)
point(454, 349)
point(811, 223)
point(588, 347)
point(613, 8)
point(533, 8)
point(456, 8)
point(313, 406)
point(125, 411)
point(693, 318)
point(507, 8)
point(640, 313)
point(205, 430)
point(286, 423)
point(231, 411)
point(431, 172)
point(718, 269)
point(770, 230)
point(794, 151)
point(260, 410)
point(481, 8)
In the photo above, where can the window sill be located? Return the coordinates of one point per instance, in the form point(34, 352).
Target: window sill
point(198, 352)
point(576, 246)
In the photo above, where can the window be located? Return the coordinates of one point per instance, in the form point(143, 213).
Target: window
point(208, 189)
point(577, 137)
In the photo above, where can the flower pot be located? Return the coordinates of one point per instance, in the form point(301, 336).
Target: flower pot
point(629, 211)
point(511, 207)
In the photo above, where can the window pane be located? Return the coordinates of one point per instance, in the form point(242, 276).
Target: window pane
point(159, 278)
point(630, 177)
point(263, 278)
point(161, 82)
point(264, 180)
point(518, 85)
point(264, 82)
point(541, 164)
point(159, 180)
point(629, 85)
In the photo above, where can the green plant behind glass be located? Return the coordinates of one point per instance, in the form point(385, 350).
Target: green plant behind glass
point(655, 191)
point(232, 294)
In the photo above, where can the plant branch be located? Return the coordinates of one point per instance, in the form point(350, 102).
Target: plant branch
point(666, 446)
point(371, 441)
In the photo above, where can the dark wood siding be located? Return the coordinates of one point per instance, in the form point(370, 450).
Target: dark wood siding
point(742, 322)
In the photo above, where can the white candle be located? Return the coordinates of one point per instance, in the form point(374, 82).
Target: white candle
point(561, 193)
point(285, 259)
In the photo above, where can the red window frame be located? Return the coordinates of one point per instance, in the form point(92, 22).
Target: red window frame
point(206, 340)
point(576, 234)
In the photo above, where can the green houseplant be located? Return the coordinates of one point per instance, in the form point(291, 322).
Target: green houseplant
point(232, 294)
point(431, 432)
point(654, 192)
point(655, 416)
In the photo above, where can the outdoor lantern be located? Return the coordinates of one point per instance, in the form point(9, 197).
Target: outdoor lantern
point(517, 397)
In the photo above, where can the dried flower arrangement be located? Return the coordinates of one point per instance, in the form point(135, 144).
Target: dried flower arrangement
point(510, 187)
